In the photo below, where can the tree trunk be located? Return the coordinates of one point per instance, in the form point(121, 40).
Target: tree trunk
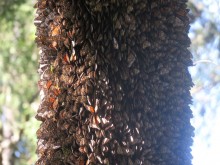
point(114, 81)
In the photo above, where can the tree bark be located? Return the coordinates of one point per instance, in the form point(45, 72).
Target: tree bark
point(114, 82)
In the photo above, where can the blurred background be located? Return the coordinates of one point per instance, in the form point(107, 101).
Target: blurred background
point(205, 47)
point(19, 94)
point(18, 82)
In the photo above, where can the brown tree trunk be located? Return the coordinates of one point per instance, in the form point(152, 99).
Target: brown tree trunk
point(114, 81)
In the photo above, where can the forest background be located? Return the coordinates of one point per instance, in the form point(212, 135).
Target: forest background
point(19, 95)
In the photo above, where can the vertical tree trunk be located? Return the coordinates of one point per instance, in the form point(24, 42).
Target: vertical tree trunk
point(115, 82)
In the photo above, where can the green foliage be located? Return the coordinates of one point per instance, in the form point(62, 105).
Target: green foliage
point(9, 8)
point(18, 81)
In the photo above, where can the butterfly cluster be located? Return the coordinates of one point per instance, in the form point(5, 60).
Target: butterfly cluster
point(114, 81)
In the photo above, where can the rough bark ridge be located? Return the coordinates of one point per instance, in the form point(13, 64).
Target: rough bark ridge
point(114, 81)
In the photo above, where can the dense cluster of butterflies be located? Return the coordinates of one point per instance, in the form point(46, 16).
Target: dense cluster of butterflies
point(115, 82)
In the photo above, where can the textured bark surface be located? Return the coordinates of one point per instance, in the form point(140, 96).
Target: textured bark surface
point(114, 81)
